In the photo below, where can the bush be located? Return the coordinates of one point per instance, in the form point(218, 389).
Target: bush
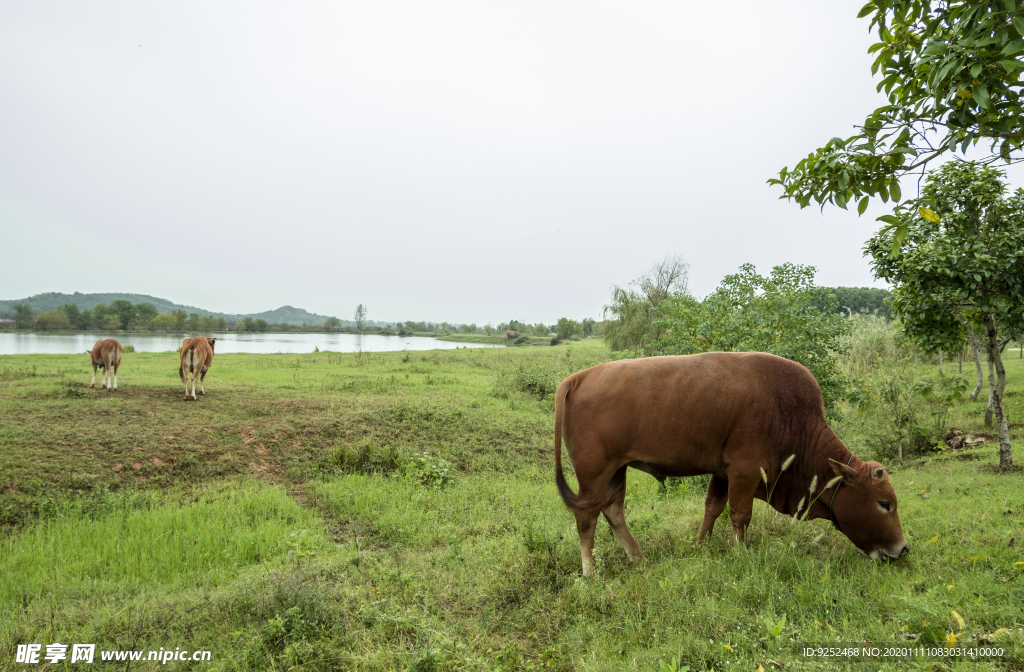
point(905, 417)
point(538, 380)
point(430, 470)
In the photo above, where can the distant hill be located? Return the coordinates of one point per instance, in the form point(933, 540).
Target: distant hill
point(51, 300)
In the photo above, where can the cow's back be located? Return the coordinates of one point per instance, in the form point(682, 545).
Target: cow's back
point(680, 414)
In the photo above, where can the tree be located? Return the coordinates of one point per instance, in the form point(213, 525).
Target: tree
point(52, 320)
point(959, 262)
point(179, 319)
point(588, 327)
point(73, 313)
point(785, 314)
point(100, 312)
point(632, 325)
point(125, 312)
point(360, 316)
point(332, 323)
point(145, 313)
point(566, 329)
point(865, 300)
point(23, 316)
point(951, 71)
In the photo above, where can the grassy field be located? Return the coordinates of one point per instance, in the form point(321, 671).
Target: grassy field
point(397, 511)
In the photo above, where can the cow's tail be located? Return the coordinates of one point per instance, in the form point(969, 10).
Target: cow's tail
point(573, 502)
point(192, 358)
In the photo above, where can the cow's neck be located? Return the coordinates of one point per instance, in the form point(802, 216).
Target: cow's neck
point(814, 461)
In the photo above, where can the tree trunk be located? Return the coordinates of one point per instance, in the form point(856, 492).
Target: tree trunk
point(960, 362)
point(941, 353)
point(990, 409)
point(995, 357)
point(976, 349)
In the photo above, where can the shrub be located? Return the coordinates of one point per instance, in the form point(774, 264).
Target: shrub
point(430, 470)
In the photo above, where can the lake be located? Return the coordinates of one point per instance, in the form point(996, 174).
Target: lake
point(62, 344)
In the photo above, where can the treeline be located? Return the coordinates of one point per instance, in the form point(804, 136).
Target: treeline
point(121, 315)
point(863, 300)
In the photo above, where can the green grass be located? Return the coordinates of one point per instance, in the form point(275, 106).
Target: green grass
point(397, 511)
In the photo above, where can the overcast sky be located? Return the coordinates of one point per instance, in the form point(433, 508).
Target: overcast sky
point(469, 162)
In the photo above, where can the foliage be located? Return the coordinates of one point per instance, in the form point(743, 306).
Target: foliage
point(249, 324)
point(332, 323)
point(914, 412)
point(784, 314)
point(431, 470)
point(145, 313)
point(962, 250)
point(360, 316)
point(125, 312)
point(73, 313)
point(629, 318)
point(951, 71)
point(22, 316)
point(872, 341)
point(956, 258)
point(863, 300)
point(568, 329)
point(52, 320)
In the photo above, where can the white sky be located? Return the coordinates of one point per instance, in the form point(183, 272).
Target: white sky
point(469, 162)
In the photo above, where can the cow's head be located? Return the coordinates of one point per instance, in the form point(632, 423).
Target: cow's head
point(212, 342)
point(865, 510)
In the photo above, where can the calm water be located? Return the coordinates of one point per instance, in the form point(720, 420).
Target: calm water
point(60, 344)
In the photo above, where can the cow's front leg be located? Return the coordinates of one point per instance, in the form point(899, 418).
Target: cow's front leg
point(93, 383)
point(742, 488)
point(714, 504)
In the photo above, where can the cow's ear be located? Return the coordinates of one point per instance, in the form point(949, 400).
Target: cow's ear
point(848, 474)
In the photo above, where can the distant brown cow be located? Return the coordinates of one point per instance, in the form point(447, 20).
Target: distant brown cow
point(106, 353)
point(196, 357)
point(730, 415)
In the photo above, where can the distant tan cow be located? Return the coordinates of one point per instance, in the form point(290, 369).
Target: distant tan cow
point(196, 357)
point(106, 353)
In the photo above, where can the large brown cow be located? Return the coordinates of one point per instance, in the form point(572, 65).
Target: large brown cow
point(106, 353)
point(730, 415)
point(196, 357)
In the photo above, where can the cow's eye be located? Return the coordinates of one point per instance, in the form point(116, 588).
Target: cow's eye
point(885, 506)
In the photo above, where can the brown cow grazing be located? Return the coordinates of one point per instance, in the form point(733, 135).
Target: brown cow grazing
point(730, 415)
point(196, 356)
point(106, 353)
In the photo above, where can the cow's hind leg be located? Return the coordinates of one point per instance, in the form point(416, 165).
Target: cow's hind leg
point(714, 504)
point(202, 382)
point(93, 383)
point(586, 525)
point(615, 514)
